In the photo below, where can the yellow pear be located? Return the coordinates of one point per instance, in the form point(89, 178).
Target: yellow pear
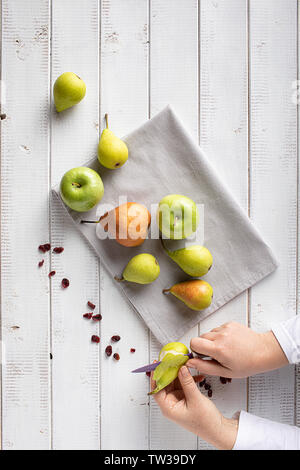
point(196, 294)
point(195, 260)
point(112, 151)
point(68, 90)
point(141, 269)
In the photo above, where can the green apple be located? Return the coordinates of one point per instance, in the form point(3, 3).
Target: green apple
point(178, 216)
point(81, 188)
point(68, 90)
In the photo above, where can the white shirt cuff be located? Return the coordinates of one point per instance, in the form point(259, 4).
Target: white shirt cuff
point(256, 433)
point(288, 336)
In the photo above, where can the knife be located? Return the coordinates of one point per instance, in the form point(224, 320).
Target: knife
point(151, 367)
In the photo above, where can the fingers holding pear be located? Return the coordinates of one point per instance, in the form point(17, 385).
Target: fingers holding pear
point(112, 151)
point(172, 357)
point(141, 269)
point(68, 90)
point(195, 294)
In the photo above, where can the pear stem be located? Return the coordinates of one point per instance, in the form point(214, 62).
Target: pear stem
point(162, 242)
point(93, 221)
point(106, 120)
point(166, 291)
point(119, 279)
point(89, 221)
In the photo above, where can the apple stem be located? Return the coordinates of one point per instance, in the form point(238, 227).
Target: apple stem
point(166, 291)
point(119, 279)
point(106, 120)
point(76, 184)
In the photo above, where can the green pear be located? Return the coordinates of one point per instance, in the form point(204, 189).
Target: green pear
point(178, 216)
point(141, 269)
point(172, 357)
point(112, 151)
point(68, 90)
point(194, 260)
point(195, 294)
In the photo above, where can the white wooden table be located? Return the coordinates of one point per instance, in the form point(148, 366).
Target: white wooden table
point(228, 67)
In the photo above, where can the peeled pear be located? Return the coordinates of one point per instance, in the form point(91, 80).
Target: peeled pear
point(141, 269)
point(172, 357)
point(194, 260)
point(68, 90)
point(112, 151)
point(195, 294)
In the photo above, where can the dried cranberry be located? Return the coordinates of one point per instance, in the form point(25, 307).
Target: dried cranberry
point(223, 380)
point(45, 247)
point(58, 249)
point(207, 386)
point(108, 351)
point(116, 356)
point(115, 338)
point(65, 283)
point(52, 273)
point(209, 393)
point(41, 263)
point(92, 306)
point(87, 315)
point(148, 374)
point(201, 384)
point(229, 380)
point(95, 339)
point(132, 350)
point(97, 317)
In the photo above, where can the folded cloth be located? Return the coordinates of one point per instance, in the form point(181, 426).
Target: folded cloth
point(164, 159)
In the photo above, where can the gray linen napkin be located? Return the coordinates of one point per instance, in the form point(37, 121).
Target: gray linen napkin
point(164, 159)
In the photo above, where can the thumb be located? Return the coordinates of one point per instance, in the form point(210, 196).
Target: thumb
point(188, 384)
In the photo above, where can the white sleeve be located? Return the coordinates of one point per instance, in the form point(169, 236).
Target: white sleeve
point(288, 336)
point(256, 433)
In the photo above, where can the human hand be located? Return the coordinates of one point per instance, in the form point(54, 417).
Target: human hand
point(183, 403)
point(237, 351)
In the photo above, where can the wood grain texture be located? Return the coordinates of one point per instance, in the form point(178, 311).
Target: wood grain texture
point(273, 192)
point(297, 102)
point(25, 225)
point(124, 96)
point(173, 80)
point(224, 138)
point(74, 138)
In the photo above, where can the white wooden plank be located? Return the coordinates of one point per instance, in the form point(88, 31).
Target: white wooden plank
point(173, 80)
point(25, 225)
point(273, 177)
point(74, 138)
point(124, 96)
point(296, 101)
point(223, 136)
